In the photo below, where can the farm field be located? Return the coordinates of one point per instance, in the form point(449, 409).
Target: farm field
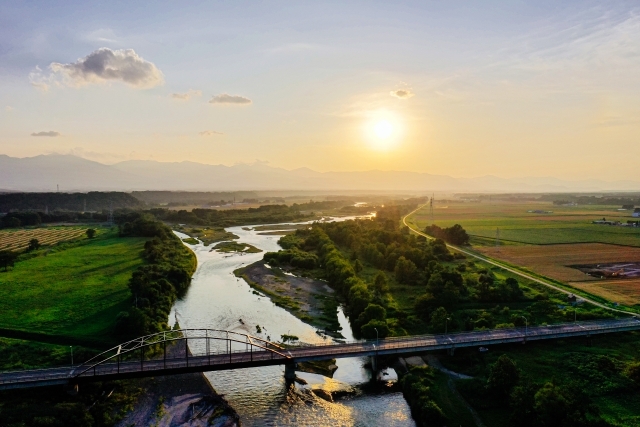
point(554, 260)
point(622, 291)
point(17, 240)
point(566, 224)
point(73, 293)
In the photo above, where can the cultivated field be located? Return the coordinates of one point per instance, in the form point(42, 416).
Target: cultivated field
point(554, 260)
point(16, 240)
point(623, 291)
point(566, 224)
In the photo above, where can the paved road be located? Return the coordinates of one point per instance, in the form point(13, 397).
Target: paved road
point(509, 269)
point(246, 359)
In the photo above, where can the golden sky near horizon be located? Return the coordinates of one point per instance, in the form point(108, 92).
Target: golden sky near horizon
point(485, 88)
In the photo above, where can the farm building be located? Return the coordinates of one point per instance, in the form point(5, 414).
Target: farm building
point(636, 213)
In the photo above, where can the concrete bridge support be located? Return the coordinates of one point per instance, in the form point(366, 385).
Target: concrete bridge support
point(290, 371)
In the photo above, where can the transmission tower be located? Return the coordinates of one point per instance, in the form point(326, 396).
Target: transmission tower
point(431, 208)
point(85, 206)
point(497, 238)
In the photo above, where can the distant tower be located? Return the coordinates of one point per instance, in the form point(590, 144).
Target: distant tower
point(85, 206)
point(431, 208)
point(46, 210)
point(498, 238)
point(110, 220)
point(57, 188)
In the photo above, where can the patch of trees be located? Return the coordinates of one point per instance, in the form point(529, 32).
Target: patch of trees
point(418, 390)
point(455, 235)
point(293, 257)
point(95, 201)
point(155, 285)
point(549, 404)
point(379, 242)
point(7, 259)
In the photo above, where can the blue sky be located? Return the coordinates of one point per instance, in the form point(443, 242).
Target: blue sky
point(507, 88)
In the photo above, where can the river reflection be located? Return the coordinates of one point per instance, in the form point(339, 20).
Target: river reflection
point(218, 300)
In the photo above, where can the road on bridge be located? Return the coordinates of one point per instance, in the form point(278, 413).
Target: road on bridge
point(202, 362)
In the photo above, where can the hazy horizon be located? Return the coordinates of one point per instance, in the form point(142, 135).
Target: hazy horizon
point(542, 89)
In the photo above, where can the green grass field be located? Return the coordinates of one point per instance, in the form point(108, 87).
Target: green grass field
point(71, 294)
point(567, 224)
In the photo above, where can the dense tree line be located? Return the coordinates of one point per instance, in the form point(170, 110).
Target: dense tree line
point(96, 201)
point(35, 218)
point(229, 217)
point(549, 404)
point(455, 235)
point(155, 285)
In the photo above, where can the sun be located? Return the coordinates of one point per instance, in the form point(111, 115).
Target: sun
point(383, 129)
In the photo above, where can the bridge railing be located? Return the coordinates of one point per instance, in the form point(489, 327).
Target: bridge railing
point(148, 348)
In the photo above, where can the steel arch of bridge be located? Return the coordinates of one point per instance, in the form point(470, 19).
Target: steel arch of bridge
point(127, 352)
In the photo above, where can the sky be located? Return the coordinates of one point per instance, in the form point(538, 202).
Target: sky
point(460, 88)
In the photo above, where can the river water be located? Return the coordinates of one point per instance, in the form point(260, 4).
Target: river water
point(218, 300)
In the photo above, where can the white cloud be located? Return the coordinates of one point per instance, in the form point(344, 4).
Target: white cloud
point(208, 133)
point(229, 99)
point(8, 108)
point(51, 133)
point(187, 95)
point(402, 93)
point(101, 66)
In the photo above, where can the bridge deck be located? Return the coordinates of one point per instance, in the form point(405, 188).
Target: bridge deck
point(246, 359)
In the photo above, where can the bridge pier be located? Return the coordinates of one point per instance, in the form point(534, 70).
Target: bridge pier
point(71, 389)
point(451, 351)
point(290, 371)
point(374, 363)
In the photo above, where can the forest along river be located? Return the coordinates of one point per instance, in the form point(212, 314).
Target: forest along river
point(218, 300)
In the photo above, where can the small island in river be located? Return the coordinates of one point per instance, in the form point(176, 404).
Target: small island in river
point(310, 300)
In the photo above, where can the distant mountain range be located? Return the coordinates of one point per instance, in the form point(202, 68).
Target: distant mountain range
point(71, 173)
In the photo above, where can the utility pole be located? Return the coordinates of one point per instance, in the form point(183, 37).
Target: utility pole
point(526, 327)
point(71, 349)
point(497, 238)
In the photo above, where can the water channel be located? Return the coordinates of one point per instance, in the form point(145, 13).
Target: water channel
point(218, 300)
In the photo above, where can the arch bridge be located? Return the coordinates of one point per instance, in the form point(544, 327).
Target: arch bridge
point(201, 350)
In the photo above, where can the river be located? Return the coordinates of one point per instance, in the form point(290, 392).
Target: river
point(218, 300)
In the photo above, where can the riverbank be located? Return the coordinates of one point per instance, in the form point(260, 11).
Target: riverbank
point(310, 300)
point(179, 400)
